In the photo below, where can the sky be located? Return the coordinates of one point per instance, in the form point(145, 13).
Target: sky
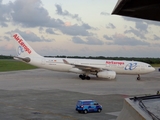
point(76, 28)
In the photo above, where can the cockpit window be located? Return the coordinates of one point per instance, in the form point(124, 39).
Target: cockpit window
point(149, 66)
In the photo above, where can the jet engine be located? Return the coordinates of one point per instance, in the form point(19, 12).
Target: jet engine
point(107, 74)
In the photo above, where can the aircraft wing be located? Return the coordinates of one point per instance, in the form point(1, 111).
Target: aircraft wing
point(85, 67)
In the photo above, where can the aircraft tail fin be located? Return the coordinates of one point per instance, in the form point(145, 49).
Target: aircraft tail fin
point(23, 49)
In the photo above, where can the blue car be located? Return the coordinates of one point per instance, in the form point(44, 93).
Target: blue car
point(86, 106)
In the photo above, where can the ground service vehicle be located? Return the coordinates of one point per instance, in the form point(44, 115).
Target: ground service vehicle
point(86, 106)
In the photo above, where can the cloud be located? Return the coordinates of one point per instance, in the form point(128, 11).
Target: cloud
point(31, 13)
point(117, 39)
point(149, 22)
point(142, 25)
point(78, 40)
point(86, 26)
point(66, 13)
point(9, 47)
point(30, 36)
point(76, 30)
point(1, 38)
point(104, 13)
point(107, 37)
point(88, 41)
point(67, 23)
point(94, 41)
point(136, 32)
point(41, 29)
point(50, 31)
point(120, 39)
point(156, 37)
point(110, 25)
point(156, 23)
point(4, 14)
point(7, 38)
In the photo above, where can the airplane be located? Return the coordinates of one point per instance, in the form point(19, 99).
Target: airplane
point(84, 67)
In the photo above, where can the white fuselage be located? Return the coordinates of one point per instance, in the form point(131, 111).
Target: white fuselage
point(120, 67)
point(101, 68)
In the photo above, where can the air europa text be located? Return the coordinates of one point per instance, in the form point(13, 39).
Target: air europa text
point(20, 41)
point(115, 62)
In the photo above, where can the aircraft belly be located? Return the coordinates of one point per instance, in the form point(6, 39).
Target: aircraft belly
point(60, 67)
point(123, 71)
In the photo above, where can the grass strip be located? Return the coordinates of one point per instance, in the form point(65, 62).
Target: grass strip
point(13, 65)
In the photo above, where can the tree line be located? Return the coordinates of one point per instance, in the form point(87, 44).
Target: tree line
point(147, 59)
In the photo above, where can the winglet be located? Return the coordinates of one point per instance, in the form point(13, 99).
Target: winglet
point(65, 61)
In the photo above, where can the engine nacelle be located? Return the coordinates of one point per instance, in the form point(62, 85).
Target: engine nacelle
point(107, 74)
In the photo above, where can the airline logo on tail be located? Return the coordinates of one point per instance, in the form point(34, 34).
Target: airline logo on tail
point(20, 41)
point(20, 50)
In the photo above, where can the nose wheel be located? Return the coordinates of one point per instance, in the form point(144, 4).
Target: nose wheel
point(83, 77)
point(138, 78)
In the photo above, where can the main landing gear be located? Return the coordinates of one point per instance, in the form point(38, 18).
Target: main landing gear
point(138, 78)
point(83, 77)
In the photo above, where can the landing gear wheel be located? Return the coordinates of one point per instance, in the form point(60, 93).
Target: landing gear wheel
point(87, 77)
point(138, 78)
point(85, 111)
point(82, 77)
point(99, 110)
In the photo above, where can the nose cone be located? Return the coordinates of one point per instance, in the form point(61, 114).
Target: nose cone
point(152, 69)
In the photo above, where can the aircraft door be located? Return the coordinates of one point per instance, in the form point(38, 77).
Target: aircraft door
point(76, 62)
point(138, 68)
point(43, 61)
point(142, 68)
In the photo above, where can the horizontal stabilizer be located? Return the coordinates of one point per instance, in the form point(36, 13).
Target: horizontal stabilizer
point(27, 59)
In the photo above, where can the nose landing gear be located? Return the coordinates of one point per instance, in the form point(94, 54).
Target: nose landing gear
point(138, 78)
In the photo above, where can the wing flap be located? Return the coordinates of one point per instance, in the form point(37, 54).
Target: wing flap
point(85, 67)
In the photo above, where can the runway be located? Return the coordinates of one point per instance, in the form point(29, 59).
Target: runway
point(42, 94)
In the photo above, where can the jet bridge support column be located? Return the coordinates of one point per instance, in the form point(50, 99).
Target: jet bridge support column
point(141, 108)
point(129, 113)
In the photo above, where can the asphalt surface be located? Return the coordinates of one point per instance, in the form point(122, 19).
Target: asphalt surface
point(47, 95)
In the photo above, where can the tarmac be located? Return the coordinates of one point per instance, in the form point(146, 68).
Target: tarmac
point(48, 95)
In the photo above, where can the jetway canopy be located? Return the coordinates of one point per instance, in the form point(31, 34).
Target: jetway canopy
point(145, 9)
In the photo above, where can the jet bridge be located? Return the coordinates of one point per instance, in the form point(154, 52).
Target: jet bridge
point(141, 108)
point(144, 9)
